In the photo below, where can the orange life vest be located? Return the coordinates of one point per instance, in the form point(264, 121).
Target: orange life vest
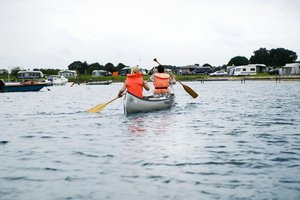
point(134, 84)
point(161, 83)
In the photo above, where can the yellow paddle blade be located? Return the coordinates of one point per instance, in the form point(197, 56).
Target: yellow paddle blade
point(190, 91)
point(100, 107)
point(97, 108)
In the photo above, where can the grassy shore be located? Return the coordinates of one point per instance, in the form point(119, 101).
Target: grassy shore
point(261, 76)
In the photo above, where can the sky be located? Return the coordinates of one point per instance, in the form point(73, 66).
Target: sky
point(55, 33)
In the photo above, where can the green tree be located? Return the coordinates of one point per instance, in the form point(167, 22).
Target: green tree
point(238, 61)
point(94, 66)
point(120, 66)
point(206, 65)
point(48, 72)
point(80, 67)
point(281, 56)
point(15, 71)
point(110, 67)
point(261, 56)
point(75, 65)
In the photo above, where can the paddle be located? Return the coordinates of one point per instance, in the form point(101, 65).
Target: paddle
point(185, 87)
point(100, 107)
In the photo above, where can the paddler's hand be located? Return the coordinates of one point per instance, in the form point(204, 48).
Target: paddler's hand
point(120, 94)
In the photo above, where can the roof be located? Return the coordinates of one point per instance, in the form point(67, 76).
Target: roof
point(97, 70)
point(292, 65)
point(67, 70)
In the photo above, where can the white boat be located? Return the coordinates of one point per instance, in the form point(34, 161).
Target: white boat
point(57, 80)
point(134, 104)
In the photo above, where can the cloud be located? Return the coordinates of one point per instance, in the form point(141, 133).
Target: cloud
point(55, 33)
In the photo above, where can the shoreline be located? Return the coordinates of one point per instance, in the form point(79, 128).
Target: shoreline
point(187, 78)
point(249, 78)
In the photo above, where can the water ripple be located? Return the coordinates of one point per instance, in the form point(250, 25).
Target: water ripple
point(226, 144)
point(3, 142)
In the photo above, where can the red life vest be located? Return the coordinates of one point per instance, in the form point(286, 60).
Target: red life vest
point(161, 83)
point(134, 84)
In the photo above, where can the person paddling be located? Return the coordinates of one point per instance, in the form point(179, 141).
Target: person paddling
point(134, 83)
point(161, 81)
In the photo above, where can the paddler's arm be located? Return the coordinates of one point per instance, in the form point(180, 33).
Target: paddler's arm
point(146, 86)
point(122, 90)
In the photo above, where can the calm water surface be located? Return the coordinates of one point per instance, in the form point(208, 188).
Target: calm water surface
point(236, 141)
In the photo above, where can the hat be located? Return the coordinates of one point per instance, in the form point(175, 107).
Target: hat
point(135, 69)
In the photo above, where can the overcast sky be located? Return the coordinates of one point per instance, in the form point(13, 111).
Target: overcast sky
point(55, 33)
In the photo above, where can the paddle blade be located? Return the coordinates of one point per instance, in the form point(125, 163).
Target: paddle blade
point(100, 107)
point(97, 108)
point(189, 90)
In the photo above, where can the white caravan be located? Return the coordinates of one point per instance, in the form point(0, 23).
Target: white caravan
point(250, 69)
point(291, 68)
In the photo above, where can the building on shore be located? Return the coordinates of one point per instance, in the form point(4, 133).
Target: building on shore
point(291, 68)
point(68, 73)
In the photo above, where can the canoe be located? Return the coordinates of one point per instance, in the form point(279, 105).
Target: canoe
point(27, 86)
point(134, 104)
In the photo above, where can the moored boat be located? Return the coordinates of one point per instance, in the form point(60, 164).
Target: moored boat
point(134, 104)
point(99, 82)
point(57, 80)
point(27, 86)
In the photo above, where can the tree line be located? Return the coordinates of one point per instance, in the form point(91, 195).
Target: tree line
point(272, 58)
point(84, 68)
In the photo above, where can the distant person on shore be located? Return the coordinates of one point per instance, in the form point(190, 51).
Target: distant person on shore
point(134, 83)
point(162, 80)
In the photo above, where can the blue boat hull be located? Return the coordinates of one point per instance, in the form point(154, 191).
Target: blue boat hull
point(22, 88)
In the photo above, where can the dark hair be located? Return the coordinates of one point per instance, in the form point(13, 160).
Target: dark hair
point(160, 69)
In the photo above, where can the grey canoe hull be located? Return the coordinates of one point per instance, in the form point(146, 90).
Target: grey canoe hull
point(133, 104)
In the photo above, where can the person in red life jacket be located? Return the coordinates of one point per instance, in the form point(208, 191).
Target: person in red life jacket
point(134, 83)
point(162, 80)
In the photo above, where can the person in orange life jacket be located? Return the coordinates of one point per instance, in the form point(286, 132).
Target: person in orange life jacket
point(134, 83)
point(162, 81)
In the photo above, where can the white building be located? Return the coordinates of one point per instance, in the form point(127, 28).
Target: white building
point(101, 73)
point(291, 68)
point(68, 73)
point(250, 69)
point(30, 74)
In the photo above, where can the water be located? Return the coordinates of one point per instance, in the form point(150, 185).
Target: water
point(235, 141)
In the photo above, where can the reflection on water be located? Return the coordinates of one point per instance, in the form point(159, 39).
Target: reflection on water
point(137, 126)
point(235, 141)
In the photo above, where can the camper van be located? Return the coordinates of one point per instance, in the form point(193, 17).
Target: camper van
point(202, 70)
point(101, 73)
point(244, 70)
point(127, 70)
point(251, 69)
point(30, 74)
point(291, 68)
point(68, 73)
